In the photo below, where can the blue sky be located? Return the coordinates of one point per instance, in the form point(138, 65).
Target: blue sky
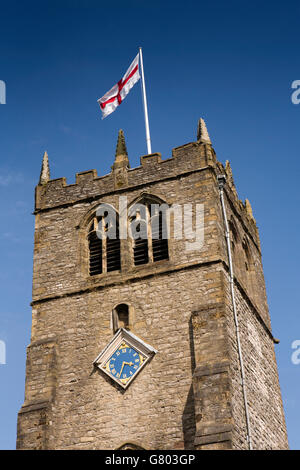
point(230, 62)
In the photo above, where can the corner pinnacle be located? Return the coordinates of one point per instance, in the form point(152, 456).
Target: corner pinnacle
point(121, 159)
point(45, 171)
point(249, 209)
point(202, 133)
point(121, 145)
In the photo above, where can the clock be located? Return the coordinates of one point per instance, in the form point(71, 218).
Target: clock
point(124, 363)
point(124, 357)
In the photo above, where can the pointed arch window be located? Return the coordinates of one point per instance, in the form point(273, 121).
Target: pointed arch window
point(104, 251)
point(148, 223)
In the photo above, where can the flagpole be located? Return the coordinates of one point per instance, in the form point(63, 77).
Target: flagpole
point(148, 140)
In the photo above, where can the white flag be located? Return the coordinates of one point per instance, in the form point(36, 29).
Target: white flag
point(114, 97)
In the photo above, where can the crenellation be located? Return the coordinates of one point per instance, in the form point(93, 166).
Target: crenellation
point(59, 192)
point(151, 159)
point(86, 176)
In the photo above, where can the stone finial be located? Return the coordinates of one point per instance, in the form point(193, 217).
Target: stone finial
point(121, 159)
point(249, 209)
point(45, 171)
point(121, 145)
point(228, 168)
point(229, 172)
point(230, 180)
point(202, 134)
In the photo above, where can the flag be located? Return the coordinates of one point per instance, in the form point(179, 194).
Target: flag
point(114, 97)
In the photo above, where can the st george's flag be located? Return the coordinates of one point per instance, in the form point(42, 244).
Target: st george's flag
point(114, 97)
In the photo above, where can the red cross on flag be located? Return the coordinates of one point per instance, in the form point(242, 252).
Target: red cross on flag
point(114, 97)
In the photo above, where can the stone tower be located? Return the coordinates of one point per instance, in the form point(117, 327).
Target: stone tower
point(189, 308)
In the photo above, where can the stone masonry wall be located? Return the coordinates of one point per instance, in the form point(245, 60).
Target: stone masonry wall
point(266, 413)
point(157, 410)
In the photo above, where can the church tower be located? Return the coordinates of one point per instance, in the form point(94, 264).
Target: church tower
point(150, 323)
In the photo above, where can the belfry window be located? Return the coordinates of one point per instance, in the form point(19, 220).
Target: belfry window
point(95, 252)
point(149, 233)
point(104, 250)
point(159, 243)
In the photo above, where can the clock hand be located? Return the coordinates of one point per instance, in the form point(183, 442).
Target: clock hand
point(122, 368)
point(124, 362)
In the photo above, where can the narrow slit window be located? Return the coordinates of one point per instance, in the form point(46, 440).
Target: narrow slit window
point(120, 317)
point(123, 315)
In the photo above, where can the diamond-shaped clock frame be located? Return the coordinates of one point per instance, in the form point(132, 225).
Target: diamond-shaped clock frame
point(127, 338)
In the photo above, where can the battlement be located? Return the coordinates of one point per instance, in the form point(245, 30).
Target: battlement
point(89, 186)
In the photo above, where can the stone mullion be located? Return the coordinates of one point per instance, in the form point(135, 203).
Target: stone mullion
point(149, 235)
point(104, 249)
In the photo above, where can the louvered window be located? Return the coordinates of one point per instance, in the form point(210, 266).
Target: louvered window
point(140, 250)
point(152, 244)
point(113, 253)
point(104, 253)
point(159, 243)
point(95, 250)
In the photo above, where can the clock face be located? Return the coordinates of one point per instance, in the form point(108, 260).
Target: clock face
point(124, 363)
point(124, 357)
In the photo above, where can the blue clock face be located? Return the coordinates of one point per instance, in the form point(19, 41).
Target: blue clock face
point(124, 363)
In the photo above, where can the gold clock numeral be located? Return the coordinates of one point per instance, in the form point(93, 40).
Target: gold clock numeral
point(137, 360)
point(124, 376)
point(130, 372)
